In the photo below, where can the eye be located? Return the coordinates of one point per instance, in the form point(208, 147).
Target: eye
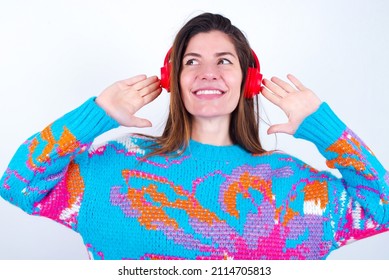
point(191, 62)
point(224, 61)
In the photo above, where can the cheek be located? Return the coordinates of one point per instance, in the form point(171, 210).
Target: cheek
point(184, 87)
point(236, 85)
point(233, 102)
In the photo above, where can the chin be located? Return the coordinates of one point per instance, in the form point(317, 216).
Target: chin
point(209, 114)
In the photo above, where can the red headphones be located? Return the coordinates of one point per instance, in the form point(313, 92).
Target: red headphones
point(252, 85)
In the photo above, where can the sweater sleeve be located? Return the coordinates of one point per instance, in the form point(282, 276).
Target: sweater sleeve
point(45, 176)
point(359, 201)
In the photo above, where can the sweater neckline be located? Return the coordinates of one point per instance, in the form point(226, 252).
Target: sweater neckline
point(216, 153)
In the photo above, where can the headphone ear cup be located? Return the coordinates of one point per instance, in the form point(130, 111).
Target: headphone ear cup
point(253, 82)
point(165, 77)
point(165, 71)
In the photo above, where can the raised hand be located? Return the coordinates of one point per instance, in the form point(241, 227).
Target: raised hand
point(296, 101)
point(124, 98)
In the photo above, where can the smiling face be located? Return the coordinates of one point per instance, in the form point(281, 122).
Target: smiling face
point(211, 76)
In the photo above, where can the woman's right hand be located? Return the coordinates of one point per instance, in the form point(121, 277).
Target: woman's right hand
point(124, 98)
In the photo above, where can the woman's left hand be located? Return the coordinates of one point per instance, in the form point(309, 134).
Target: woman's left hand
point(297, 102)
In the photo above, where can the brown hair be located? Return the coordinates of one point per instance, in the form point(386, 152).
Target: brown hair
point(244, 126)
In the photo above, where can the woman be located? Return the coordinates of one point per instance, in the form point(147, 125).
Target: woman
point(204, 189)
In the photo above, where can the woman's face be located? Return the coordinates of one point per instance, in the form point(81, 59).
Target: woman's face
point(211, 76)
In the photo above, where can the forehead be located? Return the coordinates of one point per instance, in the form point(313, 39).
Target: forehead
point(213, 41)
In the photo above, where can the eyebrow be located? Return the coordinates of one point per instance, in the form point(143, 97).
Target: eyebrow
point(219, 54)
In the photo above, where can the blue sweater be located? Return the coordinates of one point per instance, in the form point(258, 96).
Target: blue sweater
point(211, 202)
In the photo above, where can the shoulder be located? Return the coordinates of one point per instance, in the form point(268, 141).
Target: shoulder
point(276, 155)
point(278, 159)
point(126, 144)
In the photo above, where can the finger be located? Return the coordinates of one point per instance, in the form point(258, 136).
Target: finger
point(274, 88)
point(145, 83)
point(282, 84)
point(150, 88)
point(273, 98)
point(133, 80)
point(296, 82)
point(152, 95)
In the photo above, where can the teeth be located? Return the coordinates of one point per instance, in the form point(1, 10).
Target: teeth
point(209, 91)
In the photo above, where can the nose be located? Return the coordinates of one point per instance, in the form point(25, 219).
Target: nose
point(208, 72)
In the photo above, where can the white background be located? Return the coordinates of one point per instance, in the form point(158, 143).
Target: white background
point(56, 54)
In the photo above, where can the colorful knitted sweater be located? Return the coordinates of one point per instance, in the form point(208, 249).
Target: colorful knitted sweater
point(211, 202)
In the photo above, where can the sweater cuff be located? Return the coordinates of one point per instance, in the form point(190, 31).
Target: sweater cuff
point(88, 121)
point(322, 127)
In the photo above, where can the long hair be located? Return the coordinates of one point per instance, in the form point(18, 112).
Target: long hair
point(244, 125)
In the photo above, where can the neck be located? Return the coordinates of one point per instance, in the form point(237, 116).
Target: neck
point(212, 131)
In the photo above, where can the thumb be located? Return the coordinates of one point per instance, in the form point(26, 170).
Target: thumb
point(139, 122)
point(281, 128)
